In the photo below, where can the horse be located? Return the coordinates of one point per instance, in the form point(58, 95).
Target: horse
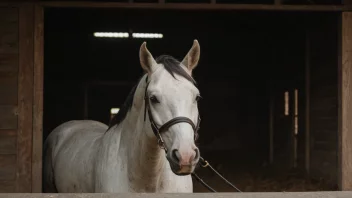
point(148, 147)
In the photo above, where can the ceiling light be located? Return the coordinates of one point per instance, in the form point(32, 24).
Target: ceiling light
point(114, 110)
point(112, 34)
point(147, 35)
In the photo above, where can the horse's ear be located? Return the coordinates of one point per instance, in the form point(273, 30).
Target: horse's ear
point(146, 59)
point(192, 57)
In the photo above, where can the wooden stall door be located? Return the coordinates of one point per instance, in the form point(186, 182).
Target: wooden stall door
point(345, 107)
point(16, 97)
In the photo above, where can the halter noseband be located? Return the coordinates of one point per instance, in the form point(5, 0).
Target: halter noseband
point(168, 124)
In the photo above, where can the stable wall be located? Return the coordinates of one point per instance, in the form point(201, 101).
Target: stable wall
point(16, 91)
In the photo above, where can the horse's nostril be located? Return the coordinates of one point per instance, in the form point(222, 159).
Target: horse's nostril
point(174, 155)
point(197, 154)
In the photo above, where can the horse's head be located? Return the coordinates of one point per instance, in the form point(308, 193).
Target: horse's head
point(171, 104)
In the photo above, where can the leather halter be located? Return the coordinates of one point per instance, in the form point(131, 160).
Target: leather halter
point(157, 131)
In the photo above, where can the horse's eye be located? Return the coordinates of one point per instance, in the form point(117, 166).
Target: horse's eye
point(198, 98)
point(153, 99)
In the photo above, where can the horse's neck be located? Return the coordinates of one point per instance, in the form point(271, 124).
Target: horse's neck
point(145, 161)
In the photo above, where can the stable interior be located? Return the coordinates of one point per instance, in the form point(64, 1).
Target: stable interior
point(253, 65)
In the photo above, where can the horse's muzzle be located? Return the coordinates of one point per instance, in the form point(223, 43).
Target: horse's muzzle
point(179, 167)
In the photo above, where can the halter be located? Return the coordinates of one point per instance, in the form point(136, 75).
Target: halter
point(157, 131)
point(172, 122)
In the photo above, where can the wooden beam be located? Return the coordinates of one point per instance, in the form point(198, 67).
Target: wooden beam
point(195, 6)
point(345, 103)
point(38, 99)
point(321, 194)
point(25, 99)
point(277, 2)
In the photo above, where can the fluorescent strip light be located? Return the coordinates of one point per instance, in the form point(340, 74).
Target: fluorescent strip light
point(147, 35)
point(112, 34)
point(114, 110)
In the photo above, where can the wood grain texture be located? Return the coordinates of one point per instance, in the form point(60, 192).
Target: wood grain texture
point(7, 186)
point(8, 141)
point(38, 100)
point(8, 117)
point(7, 168)
point(8, 90)
point(186, 195)
point(8, 36)
point(25, 99)
point(8, 62)
point(194, 6)
point(345, 120)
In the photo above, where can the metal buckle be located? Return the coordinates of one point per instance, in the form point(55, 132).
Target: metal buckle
point(206, 163)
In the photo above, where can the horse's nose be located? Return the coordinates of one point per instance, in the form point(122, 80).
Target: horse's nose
point(185, 158)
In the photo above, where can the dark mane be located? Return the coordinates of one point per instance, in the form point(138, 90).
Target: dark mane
point(171, 65)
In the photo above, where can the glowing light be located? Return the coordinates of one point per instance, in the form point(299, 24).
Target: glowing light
point(114, 110)
point(127, 35)
point(112, 34)
point(147, 35)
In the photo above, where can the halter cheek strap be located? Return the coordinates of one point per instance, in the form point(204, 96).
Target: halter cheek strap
point(168, 124)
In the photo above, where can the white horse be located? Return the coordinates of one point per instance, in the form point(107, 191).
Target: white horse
point(128, 156)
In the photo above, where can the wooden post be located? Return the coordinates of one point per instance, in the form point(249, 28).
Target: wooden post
point(38, 99)
point(345, 104)
point(307, 109)
point(25, 98)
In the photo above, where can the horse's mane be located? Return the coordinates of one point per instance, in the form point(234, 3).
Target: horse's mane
point(171, 65)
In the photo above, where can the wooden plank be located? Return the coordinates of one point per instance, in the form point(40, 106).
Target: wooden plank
point(8, 38)
point(7, 167)
point(8, 90)
point(8, 62)
point(319, 194)
point(8, 14)
point(8, 117)
point(7, 186)
point(8, 31)
point(195, 6)
point(8, 141)
point(25, 99)
point(38, 100)
point(345, 104)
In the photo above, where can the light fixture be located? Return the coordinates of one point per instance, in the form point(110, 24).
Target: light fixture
point(127, 35)
point(112, 34)
point(147, 35)
point(114, 110)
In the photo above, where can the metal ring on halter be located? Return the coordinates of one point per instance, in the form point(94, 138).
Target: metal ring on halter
point(206, 164)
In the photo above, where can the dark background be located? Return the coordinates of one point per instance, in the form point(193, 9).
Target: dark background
point(246, 57)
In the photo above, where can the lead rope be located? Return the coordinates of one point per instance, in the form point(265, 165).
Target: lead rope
point(207, 165)
point(162, 146)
